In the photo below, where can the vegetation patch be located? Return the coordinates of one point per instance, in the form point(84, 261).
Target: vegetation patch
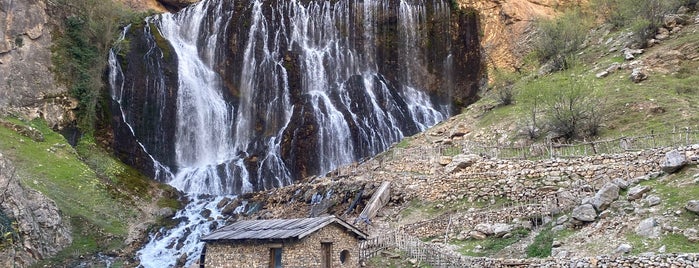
point(542, 245)
point(490, 245)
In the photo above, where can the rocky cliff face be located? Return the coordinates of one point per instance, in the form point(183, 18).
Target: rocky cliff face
point(40, 232)
point(507, 26)
point(26, 83)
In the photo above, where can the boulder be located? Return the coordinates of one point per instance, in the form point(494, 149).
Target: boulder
point(630, 54)
point(484, 228)
point(662, 34)
point(674, 20)
point(605, 196)
point(693, 206)
point(585, 213)
point(602, 74)
point(624, 248)
point(648, 228)
point(637, 192)
point(477, 235)
point(637, 75)
point(674, 161)
point(691, 234)
point(500, 229)
point(461, 161)
point(653, 200)
point(621, 183)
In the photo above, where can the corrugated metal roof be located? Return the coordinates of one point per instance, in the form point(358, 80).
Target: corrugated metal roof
point(277, 229)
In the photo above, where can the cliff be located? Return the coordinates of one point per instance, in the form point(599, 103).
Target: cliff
point(26, 82)
point(506, 26)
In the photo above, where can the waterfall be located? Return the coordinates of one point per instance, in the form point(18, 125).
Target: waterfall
point(246, 95)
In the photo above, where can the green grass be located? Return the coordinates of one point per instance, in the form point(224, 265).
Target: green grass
point(95, 192)
point(490, 245)
point(542, 245)
point(54, 168)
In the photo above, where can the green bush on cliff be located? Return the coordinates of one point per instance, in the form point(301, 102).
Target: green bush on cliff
point(80, 51)
point(560, 38)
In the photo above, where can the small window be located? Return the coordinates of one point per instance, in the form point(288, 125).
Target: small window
point(275, 258)
point(344, 256)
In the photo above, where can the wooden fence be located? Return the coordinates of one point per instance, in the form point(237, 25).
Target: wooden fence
point(549, 149)
point(423, 253)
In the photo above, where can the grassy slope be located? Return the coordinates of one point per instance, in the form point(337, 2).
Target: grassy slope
point(97, 194)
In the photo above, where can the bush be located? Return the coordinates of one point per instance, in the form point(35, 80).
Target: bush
point(559, 39)
point(503, 86)
point(643, 16)
point(573, 112)
point(80, 52)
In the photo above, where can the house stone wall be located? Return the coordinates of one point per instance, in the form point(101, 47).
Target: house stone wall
point(295, 254)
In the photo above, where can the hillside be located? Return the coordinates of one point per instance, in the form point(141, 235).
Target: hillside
point(482, 167)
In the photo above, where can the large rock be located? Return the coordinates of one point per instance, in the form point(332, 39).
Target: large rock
point(605, 196)
point(648, 228)
point(637, 192)
point(484, 228)
point(40, 227)
point(585, 213)
point(637, 75)
point(461, 161)
point(500, 229)
point(673, 161)
point(693, 206)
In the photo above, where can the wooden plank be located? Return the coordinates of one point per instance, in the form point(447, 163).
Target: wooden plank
point(377, 201)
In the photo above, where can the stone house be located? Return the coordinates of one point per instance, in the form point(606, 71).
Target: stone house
point(308, 242)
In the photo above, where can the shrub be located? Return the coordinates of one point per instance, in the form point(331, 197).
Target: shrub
point(503, 86)
point(559, 39)
point(642, 16)
point(80, 52)
point(573, 111)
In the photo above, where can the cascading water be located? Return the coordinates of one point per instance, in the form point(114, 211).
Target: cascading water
point(245, 95)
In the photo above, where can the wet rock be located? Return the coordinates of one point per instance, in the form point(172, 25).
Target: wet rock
point(637, 192)
point(648, 228)
point(693, 206)
point(605, 196)
point(177, 4)
point(674, 161)
point(585, 213)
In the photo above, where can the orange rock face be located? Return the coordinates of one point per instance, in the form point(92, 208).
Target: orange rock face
point(143, 5)
point(507, 29)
